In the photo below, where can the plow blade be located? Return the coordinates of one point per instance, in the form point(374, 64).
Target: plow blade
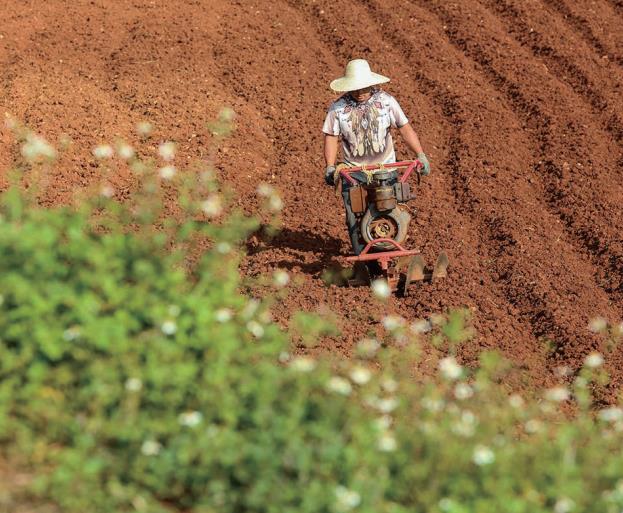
point(417, 271)
point(441, 267)
point(399, 267)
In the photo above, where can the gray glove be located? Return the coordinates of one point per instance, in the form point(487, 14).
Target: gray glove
point(424, 160)
point(329, 175)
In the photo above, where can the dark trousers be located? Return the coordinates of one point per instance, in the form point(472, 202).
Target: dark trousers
point(351, 221)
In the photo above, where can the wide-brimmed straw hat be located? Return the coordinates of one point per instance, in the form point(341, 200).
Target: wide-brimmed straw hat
point(357, 75)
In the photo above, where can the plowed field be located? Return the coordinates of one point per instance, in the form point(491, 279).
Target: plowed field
point(519, 105)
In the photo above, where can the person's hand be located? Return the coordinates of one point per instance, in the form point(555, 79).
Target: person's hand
point(329, 175)
point(424, 160)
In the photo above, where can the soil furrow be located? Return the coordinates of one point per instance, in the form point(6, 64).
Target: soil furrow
point(608, 253)
point(582, 27)
point(500, 241)
point(617, 5)
point(589, 237)
point(563, 68)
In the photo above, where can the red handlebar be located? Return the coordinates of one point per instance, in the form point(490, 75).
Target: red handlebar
point(410, 165)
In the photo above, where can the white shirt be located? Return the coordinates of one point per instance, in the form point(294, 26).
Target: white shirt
point(365, 127)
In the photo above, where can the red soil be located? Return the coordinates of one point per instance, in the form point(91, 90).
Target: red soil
point(519, 105)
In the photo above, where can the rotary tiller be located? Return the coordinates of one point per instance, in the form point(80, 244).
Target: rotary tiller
point(383, 225)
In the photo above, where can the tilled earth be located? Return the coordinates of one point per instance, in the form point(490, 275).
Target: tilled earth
point(519, 105)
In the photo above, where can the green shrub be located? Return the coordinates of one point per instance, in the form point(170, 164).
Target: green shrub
point(136, 376)
point(133, 380)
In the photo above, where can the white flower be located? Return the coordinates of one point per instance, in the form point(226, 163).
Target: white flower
point(387, 405)
point(281, 278)
point(612, 414)
point(150, 447)
point(265, 189)
point(483, 455)
point(463, 391)
point(107, 191)
point(563, 370)
point(275, 203)
point(169, 327)
point(71, 333)
point(10, 122)
point(303, 364)
point(133, 384)
point(387, 442)
point(360, 375)
point(284, 356)
point(421, 326)
point(167, 172)
point(516, 401)
point(598, 324)
point(533, 426)
point(339, 385)
point(466, 425)
point(564, 505)
point(346, 499)
point(381, 289)
point(223, 315)
point(125, 151)
point(144, 128)
point(167, 151)
point(213, 206)
point(250, 308)
point(103, 151)
point(389, 385)
point(190, 418)
point(212, 431)
point(383, 423)
point(368, 346)
point(393, 322)
point(450, 369)
point(433, 405)
point(223, 247)
point(36, 147)
point(557, 394)
point(447, 505)
point(594, 360)
point(256, 329)
point(227, 114)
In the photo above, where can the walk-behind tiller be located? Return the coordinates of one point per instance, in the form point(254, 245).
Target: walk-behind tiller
point(383, 226)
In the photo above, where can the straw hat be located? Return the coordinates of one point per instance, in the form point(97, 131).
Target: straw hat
point(357, 75)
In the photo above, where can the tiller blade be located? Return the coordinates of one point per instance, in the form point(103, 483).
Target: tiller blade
point(441, 266)
point(417, 271)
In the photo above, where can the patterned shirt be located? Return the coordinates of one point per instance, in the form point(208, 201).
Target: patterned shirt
point(364, 127)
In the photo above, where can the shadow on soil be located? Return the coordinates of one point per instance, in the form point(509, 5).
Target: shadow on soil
point(324, 249)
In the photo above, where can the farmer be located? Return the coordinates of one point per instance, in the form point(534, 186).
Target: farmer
point(362, 118)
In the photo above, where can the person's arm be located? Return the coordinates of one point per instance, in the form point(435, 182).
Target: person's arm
point(400, 121)
point(413, 142)
point(330, 149)
point(330, 156)
point(410, 138)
